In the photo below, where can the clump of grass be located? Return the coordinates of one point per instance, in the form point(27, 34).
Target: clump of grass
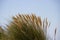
point(25, 27)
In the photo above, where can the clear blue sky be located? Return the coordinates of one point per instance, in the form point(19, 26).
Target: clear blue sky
point(43, 8)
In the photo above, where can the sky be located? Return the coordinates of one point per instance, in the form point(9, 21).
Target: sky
point(43, 8)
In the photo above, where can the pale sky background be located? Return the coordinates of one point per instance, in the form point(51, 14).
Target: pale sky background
point(42, 8)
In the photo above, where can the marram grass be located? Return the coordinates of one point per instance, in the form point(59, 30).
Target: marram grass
point(24, 27)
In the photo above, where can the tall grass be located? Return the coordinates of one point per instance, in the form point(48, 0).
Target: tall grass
point(24, 27)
